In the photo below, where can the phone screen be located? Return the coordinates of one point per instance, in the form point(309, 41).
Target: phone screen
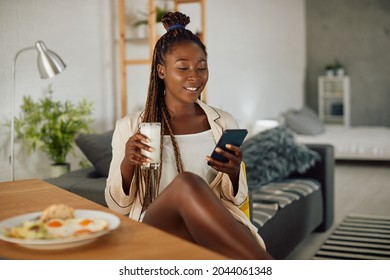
point(234, 137)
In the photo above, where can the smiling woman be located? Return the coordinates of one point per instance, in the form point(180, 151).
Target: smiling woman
point(185, 196)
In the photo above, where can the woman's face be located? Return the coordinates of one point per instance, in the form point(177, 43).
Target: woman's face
point(184, 72)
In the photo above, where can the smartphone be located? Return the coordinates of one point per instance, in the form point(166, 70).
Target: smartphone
point(234, 137)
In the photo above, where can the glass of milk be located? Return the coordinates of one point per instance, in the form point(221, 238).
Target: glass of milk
point(152, 130)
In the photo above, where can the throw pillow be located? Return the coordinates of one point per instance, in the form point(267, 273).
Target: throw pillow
point(304, 121)
point(273, 154)
point(97, 149)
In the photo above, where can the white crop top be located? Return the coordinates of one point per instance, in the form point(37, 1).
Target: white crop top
point(193, 149)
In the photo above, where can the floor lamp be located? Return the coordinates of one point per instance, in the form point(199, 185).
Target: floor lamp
point(49, 65)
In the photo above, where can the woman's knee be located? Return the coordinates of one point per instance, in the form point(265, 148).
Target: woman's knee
point(188, 184)
point(188, 177)
point(190, 181)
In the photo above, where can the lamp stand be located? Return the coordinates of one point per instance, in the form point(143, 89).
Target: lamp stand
point(49, 65)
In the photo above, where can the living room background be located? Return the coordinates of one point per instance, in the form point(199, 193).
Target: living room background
point(256, 51)
point(261, 59)
point(357, 33)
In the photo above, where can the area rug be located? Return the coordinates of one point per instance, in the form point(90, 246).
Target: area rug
point(358, 237)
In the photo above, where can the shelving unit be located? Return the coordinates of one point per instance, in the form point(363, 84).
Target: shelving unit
point(151, 40)
point(334, 100)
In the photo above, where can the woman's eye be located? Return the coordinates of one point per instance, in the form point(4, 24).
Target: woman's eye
point(183, 68)
point(202, 67)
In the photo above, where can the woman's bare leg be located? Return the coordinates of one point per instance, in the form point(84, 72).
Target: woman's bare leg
point(189, 209)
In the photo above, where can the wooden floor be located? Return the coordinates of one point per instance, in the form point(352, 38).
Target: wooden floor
point(361, 188)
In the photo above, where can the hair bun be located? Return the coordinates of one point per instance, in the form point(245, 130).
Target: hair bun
point(174, 19)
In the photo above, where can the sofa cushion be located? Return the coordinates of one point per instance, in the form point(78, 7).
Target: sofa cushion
point(292, 224)
point(97, 149)
point(274, 154)
point(267, 200)
point(304, 121)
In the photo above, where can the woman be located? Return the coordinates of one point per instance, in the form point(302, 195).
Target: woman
point(192, 200)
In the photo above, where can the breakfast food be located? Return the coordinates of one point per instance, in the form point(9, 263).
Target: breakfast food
point(57, 221)
point(57, 211)
point(28, 230)
point(58, 228)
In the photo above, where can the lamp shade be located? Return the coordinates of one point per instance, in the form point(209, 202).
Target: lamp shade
point(49, 63)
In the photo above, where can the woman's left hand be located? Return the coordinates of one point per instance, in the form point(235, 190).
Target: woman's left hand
point(232, 166)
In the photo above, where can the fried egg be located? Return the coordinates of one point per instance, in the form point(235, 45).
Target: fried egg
point(57, 228)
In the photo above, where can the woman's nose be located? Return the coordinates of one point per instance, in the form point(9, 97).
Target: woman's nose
point(194, 75)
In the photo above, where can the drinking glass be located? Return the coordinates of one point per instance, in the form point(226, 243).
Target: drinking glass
point(152, 130)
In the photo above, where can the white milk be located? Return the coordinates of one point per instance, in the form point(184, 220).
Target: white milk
point(153, 132)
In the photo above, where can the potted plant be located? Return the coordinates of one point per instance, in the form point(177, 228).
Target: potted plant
point(52, 126)
point(159, 14)
point(329, 70)
point(335, 69)
point(339, 68)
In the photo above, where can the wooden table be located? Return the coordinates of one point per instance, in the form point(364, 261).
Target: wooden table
point(131, 240)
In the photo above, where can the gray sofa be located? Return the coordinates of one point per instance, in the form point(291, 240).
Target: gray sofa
point(310, 212)
point(285, 210)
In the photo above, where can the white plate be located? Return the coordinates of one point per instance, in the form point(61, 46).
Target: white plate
point(41, 244)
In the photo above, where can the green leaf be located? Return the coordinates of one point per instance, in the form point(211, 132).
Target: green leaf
point(52, 126)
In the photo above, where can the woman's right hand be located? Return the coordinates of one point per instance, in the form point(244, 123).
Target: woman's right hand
point(134, 145)
point(132, 158)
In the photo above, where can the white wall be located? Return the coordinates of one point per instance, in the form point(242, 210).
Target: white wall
point(256, 59)
point(78, 31)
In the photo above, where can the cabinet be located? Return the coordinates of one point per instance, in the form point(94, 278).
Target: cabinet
point(125, 62)
point(334, 99)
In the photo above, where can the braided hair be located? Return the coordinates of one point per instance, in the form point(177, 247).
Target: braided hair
point(155, 107)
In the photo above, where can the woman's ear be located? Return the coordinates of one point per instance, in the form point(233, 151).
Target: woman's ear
point(161, 71)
